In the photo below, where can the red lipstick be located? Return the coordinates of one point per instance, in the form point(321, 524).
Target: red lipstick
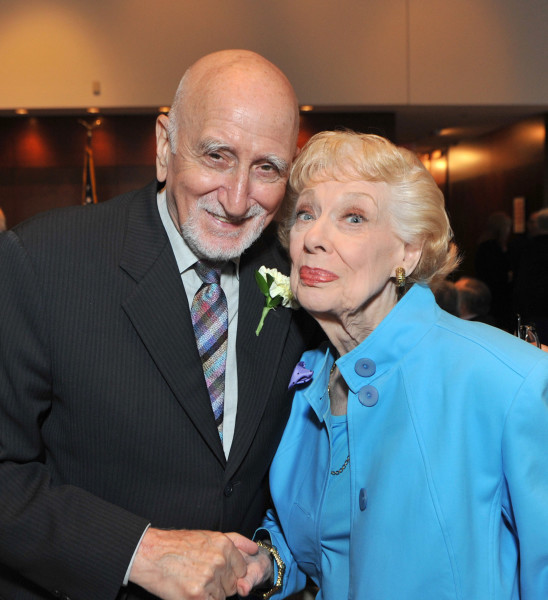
point(311, 276)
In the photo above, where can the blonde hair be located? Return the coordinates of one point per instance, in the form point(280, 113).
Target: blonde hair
point(416, 205)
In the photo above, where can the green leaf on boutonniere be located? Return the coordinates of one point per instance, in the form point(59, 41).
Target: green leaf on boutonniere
point(275, 288)
point(262, 283)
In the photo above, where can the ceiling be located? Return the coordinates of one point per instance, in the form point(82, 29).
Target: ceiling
point(427, 128)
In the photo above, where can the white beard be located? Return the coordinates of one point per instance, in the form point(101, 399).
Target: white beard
point(205, 248)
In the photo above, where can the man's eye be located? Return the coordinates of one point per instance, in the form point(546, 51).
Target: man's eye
point(267, 172)
point(215, 156)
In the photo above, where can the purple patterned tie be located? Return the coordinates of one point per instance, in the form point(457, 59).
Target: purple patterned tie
point(210, 319)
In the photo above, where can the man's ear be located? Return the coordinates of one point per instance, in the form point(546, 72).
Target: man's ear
point(163, 148)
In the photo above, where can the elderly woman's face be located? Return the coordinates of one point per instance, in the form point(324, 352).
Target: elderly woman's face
point(343, 250)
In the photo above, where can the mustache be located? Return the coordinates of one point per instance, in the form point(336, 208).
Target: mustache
point(214, 207)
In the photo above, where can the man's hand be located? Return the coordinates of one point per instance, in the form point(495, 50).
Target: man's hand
point(190, 564)
point(259, 565)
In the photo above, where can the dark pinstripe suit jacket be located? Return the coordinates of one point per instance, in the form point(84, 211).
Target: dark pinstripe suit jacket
point(105, 421)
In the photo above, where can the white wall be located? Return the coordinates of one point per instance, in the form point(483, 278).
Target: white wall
point(336, 52)
point(479, 52)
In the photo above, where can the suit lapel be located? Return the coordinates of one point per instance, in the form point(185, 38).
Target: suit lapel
point(158, 309)
point(257, 356)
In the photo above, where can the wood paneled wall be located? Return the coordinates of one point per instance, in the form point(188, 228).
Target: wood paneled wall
point(41, 158)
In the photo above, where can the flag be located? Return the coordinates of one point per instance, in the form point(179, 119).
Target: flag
point(89, 193)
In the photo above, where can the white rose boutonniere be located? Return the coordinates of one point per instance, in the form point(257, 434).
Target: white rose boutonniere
point(275, 287)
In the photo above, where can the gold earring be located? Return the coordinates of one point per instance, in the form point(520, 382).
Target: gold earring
point(400, 277)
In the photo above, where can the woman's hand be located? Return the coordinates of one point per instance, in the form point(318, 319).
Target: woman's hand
point(260, 569)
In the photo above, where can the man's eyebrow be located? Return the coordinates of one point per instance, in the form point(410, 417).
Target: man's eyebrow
point(280, 164)
point(212, 145)
point(209, 145)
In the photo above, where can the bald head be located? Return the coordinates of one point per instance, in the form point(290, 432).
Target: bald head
point(242, 76)
point(225, 151)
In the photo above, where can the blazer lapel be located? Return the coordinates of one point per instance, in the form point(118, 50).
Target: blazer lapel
point(158, 309)
point(257, 356)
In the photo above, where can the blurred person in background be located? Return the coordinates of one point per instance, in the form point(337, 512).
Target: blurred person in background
point(531, 286)
point(493, 265)
point(447, 296)
point(474, 300)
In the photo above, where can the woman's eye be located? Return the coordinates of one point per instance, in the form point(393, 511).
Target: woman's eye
point(354, 218)
point(303, 215)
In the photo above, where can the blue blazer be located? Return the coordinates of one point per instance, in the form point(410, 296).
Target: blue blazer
point(449, 468)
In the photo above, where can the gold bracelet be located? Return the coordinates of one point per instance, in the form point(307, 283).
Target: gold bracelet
point(281, 569)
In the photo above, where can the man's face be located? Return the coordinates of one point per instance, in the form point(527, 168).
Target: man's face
point(228, 175)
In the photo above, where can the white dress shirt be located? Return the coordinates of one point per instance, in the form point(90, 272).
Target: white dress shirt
point(230, 284)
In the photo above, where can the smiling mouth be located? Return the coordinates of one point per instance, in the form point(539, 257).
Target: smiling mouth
point(228, 221)
point(310, 276)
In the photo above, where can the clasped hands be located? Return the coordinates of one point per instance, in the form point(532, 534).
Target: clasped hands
point(199, 565)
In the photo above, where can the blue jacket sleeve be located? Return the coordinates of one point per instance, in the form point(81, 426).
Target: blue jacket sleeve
point(525, 465)
point(294, 578)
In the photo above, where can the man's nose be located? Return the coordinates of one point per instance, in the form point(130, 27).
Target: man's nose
point(235, 200)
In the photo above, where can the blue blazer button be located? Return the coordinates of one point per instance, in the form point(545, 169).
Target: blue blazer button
point(363, 499)
point(368, 395)
point(365, 367)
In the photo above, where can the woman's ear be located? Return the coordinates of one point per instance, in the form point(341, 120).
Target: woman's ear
point(412, 255)
point(163, 147)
